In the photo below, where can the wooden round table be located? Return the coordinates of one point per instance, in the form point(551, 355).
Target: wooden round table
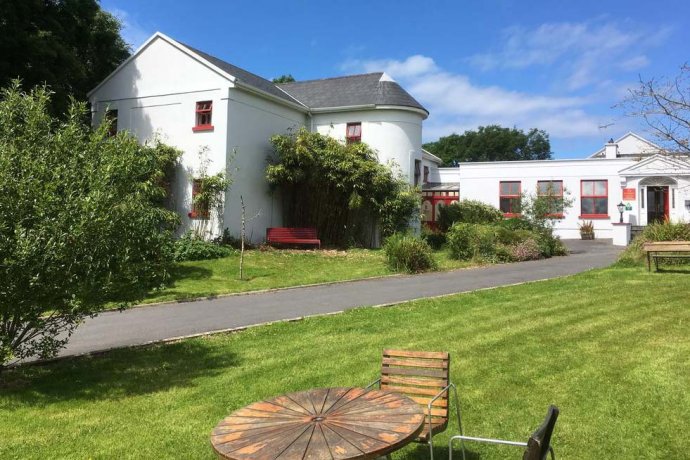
point(324, 423)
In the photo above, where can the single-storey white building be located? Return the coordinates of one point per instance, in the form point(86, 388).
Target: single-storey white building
point(222, 117)
point(651, 184)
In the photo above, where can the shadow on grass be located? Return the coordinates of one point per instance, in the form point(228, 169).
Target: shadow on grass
point(441, 452)
point(117, 375)
point(189, 273)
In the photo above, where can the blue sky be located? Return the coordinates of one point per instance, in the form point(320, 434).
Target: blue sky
point(557, 66)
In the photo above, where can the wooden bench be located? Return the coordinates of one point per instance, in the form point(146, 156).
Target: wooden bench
point(665, 250)
point(288, 235)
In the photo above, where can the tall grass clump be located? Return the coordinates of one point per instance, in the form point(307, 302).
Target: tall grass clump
point(658, 231)
point(407, 253)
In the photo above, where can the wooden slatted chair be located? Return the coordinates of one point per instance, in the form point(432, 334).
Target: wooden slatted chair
point(537, 447)
point(425, 378)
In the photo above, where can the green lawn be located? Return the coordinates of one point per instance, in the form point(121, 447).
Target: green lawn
point(610, 347)
point(278, 268)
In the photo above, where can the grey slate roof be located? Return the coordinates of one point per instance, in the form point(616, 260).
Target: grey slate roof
point(351, 90)
point(244, 76)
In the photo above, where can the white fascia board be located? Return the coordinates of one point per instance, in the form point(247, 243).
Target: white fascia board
point(351, 108)
point(174, 43)
point(430, 156)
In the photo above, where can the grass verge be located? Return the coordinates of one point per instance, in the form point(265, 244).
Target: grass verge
point(610, 347)
point(278, 269)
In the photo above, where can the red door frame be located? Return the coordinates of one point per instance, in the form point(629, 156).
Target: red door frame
point(666, 191)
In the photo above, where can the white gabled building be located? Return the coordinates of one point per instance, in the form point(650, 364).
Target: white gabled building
point(199, 103)
point(631, 170)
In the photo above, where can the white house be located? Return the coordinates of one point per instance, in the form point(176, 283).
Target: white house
point(222, 118)
point(651, 184)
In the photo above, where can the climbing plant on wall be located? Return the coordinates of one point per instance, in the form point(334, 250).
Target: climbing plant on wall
point(340, 189)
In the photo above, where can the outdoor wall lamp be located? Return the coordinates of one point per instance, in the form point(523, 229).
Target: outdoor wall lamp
point(621, 208)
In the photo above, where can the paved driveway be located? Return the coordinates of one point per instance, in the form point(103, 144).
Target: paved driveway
point(155, 323)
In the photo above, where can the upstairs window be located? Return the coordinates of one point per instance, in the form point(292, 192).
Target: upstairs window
point(594, 198)
point(510, 197)
point(353, 133)
point(111, 118)
point(552, 191)
point(426, 174)
point(204, 111)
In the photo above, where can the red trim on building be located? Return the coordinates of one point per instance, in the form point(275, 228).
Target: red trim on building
point(594, 197)
point(204, 114)
point(511, 197)
point(353, 132)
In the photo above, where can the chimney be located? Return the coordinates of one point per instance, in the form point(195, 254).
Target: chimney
point(611, 149)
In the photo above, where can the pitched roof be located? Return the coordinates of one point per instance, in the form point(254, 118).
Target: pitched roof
point(352, 90)
point(244, 76)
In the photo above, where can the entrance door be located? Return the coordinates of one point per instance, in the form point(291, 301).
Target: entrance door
point(657, 204)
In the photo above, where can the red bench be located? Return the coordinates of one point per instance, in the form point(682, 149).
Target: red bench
point(287, 235)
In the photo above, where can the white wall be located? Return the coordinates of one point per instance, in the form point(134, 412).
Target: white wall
point(155, 94)
point(480, 181)
point(252, 120)
point(396, 135)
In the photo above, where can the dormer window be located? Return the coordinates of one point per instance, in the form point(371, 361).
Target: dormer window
point(204, 110)
point(353, 133)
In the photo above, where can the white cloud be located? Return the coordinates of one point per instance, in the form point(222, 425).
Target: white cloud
point(458, 104)
point(133, 33)
point(586, 51)
point(410, 67)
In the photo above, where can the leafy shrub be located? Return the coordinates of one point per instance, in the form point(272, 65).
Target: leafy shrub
point(526, 250)
point(228, 239)
point(549, 244)
point(660, 231)
point(517, 223)
point(472, 241)
point(468, 212)
point(193, 247)
point(435, 238)
point(407, 253)
point(511, 237)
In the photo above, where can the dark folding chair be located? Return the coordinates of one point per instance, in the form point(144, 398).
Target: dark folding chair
point(537, 446)
point(425, 378)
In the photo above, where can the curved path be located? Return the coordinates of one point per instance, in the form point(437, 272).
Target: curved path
point(163, 322)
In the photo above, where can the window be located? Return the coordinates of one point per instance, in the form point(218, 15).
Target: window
point(199, 210)
point(426, 174)
point(417, 171)
point(594, 198)
point(552, 191)
point(111, 117)
point(510, 195)
point(204, 110)
point(353, 133)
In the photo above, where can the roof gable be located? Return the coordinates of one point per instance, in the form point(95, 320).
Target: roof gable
point(631, 144)
point(658, 165)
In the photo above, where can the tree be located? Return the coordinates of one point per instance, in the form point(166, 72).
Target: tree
point(81, 222)
point(664, 105)
point(70, 45)
point(285, 78)
point(492, 143)
point(340, 189)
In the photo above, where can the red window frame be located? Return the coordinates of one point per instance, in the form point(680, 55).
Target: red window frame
point(558, 196)
point(199, 211)
point(511, 197)
point(204, 116)
point(595, 197)
point(353, 133)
